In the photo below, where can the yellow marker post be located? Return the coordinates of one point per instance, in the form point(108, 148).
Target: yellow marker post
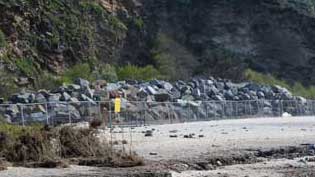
point(117, 105)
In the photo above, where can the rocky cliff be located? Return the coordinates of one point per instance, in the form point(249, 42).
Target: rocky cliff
point(181, 38)
point(222, 37)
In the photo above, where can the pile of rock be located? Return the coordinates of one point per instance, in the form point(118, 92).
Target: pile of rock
point(198, 99)
point(199, 90)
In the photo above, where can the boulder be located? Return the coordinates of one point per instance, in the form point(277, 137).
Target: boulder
point(65, 97)
point(167, 86)
point(7, 118)
point(213, 91)
point(20, 98)
point(188, 98)
point(40, 98)
point(75, 94)
point(162, 97)
point(260, 95)
point(142, 94)
point(12, 110)
point(209, 82)
point(87, 99)
point(74, 87)
point(228, 95)
point(228, 85)
point(112, 87)
point(151, 90)
point(82, 82)
point(245, 96)
point(54, 98)
point(196, 93)
point(37, 117)
point(74, 101)
point(218, 97)
point(132, 82)
point(220, 85)
point(44, 92)
point(89, 92)
point(175, 94)
point(60, 89)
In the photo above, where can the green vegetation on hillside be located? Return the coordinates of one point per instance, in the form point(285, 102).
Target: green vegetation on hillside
point(173, 60)
point(102, 72)
point(297, 88)
point(137, 73)
point(2, 39)
point(46, 36)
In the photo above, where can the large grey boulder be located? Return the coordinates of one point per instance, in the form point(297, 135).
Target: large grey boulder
point(175, 94)
point(65, 97)
point(87, 99)
point(60, 89)
point(12, 110)
point(142, 94)
point(112, 87)
point(260, 95)
point(162, 97)
point(220, 85)
point(82, 82)
point(229, 95)
point(40, 98)
point(213, 91)
point(75, 102)
point(74, 87)
point(62, 113)
point(20, 98)
point(218, 97)
point(167, 86)
point(89, 92)
point(151, 90)
point(196, 93)
point(54, 98)
point(36, 117)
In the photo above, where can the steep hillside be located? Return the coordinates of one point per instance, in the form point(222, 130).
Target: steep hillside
point(271, 36)
point(38, 36)
point(40, 39)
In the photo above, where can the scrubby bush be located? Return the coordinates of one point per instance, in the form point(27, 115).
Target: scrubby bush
point(117, 24)
point(137, 73)
point(77, 71)
point(300, 90)
point(92, 6)
point(165, 65)
point(139, 23)
point(26, 66)
point(47, 81)
point(297, 88)
point(173, 60)
point(108, 73)
point(264, 78)
point(7, 84)
point(2, 39)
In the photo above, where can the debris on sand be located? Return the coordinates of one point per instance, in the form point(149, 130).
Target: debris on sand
point(48, 164)
point(189, 136)
point(153, 153)
point(148, 133)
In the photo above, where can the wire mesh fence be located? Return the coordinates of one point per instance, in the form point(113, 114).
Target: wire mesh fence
point(145, 113)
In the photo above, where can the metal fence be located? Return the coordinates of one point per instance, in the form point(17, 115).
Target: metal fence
point(145, 113)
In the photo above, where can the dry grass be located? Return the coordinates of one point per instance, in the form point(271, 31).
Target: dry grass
point(49, 148)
